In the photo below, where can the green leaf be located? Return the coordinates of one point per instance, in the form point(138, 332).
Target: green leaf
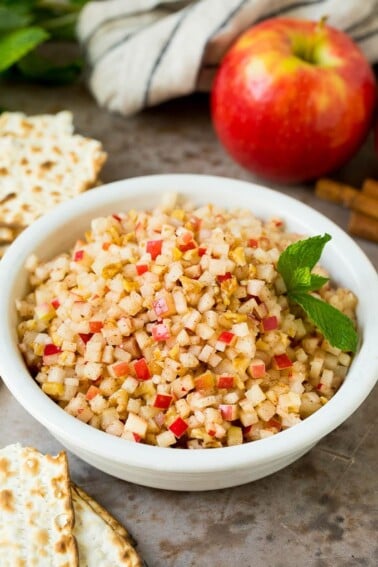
point(295, 265)
point(13, 17)
point(301, 254)
point(300, 279)
point(317, 282)
point(303, 280)
point(61, 27)
point(336, 327)
point(46, 12)
point(40, 69)
point(18, 43)
point(21, 4)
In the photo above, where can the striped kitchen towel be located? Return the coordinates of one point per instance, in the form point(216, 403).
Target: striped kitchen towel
point(144, 52)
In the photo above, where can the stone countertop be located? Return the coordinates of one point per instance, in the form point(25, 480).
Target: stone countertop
point(319, 511)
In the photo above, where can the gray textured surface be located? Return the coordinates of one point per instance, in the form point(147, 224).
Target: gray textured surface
point(320, 511)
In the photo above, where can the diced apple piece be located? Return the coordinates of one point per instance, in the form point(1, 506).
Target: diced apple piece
point(257, 368)
point(282, 361)
point(226, 337)
point(119, 369)
point(265, 410)
point(141, 369)
point(204, 382)
point(270, 323)
point(154, 247)
point(50, 349)
point(162, 401)
point(226, 382)
point(229, 411)
point(44, 311)
point(255, 394)
point(255, 287)
point(53, 389)
point(141, 269)
point(95, 326)
point(178, 427)
point(85, 337)
point(136, 424)
point(161, 332)
point(234, 436)
point(92, 392)
point(166, 439)
point(224, 277)
point(164, 305)
point(181, 386)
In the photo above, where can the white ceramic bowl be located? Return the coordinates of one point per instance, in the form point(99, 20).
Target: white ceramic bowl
point(182, 469)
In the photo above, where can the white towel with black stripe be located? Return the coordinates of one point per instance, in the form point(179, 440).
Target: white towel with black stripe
point(144, 52)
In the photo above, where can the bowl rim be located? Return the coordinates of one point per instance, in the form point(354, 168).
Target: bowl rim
point(88, 439)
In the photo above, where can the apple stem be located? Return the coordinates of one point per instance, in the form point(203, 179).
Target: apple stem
point(321, 23)
point(306, 48)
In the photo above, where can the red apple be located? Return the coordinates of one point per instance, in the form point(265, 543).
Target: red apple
point(292, 99)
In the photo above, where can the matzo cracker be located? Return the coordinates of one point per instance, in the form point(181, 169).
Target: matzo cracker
point(42, 163)
point(36, 513)
point(101, 539)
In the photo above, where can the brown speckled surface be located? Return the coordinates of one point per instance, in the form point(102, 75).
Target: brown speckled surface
point(322, 510)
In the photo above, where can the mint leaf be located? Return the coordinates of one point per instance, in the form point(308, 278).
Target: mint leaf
point(295, 265)
point(317, 282)
point(303, 280)
point(12, 17)
point(301, 254)
point(336, 327)
point(25, 24)
point(300, 279)
point(18, 43)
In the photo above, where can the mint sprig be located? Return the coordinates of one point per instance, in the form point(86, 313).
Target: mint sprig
point(295, 265)
point(17, 43)
point(27, 24)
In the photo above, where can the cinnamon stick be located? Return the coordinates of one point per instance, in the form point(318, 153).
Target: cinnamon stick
point(370, 187)
point(363, 226)
point(334, 191)
point(347, 196)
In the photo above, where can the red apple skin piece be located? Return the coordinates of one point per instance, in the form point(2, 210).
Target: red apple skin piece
point(287, 119)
